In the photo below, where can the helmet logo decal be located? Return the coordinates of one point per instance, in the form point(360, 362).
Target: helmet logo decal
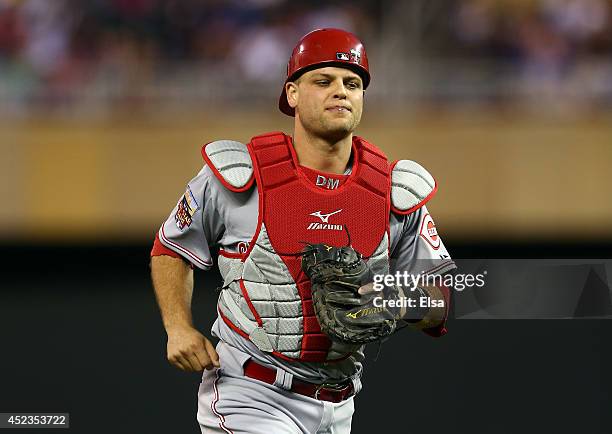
point(342, 56)
point(355, 56)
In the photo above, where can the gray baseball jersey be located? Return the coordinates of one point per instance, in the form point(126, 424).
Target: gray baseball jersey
point(210, 216)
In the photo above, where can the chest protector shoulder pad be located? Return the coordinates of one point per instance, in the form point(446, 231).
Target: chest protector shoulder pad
point(411, 186)
point(231, 163)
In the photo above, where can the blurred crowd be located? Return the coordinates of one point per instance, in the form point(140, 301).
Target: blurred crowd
point(59, 50)
point(546, 29)
point(556, 45)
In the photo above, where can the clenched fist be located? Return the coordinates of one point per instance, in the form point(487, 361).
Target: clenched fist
point(190, 350)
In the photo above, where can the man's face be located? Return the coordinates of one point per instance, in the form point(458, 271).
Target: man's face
point(328, 101)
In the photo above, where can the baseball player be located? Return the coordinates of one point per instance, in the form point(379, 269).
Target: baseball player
point(266, 206)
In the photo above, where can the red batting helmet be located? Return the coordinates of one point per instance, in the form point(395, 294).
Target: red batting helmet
point(325, 47)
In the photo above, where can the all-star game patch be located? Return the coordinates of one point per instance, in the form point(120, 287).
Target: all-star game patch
point(187, 207)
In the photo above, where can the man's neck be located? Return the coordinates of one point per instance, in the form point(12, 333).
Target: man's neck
point(320, 154)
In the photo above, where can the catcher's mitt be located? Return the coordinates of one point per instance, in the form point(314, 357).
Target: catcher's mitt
point(336, 274)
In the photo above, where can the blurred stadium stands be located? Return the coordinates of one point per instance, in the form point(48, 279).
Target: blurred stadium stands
point(75, 56)
point(103, 105)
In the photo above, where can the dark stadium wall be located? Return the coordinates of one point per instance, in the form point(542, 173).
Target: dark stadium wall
point(81, 334)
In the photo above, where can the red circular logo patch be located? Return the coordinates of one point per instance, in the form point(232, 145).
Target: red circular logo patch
point(429, 232)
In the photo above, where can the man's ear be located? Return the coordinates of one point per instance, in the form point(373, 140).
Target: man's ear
point(291, 89)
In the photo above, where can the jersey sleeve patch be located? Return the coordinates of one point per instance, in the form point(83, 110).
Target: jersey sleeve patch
point(186, 208)
point(429, 233)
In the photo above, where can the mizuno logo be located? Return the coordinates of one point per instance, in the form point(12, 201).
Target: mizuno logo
point(324, 217)
point(365, 312)
point(325, 226)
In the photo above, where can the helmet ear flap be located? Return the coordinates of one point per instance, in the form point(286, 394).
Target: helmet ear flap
point(325, 47)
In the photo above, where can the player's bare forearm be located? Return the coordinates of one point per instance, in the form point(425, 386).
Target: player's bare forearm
point(422, 308)
point(173, 284)
point(432, 307)
point(187, 348)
